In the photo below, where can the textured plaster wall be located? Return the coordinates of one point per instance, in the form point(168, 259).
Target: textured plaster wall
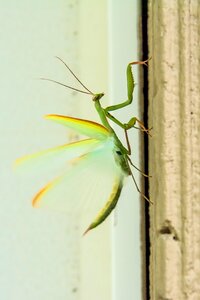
point(174, 113)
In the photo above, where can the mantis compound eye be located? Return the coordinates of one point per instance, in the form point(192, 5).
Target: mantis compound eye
point(118, 152)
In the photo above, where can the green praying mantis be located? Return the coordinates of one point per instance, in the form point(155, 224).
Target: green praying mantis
point(101, 156)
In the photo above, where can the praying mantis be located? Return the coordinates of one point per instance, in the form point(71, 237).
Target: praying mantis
point(102, 154)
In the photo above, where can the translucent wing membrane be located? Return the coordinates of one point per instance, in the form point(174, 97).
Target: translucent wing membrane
point(58, 155)
point(86, 127)
point(91, 181)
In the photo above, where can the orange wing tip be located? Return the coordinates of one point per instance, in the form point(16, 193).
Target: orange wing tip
point(77, 120)
point(50, 116)
point(58, 117)
point(36, 200)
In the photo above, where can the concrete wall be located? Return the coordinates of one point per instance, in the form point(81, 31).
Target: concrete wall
point(174, 113)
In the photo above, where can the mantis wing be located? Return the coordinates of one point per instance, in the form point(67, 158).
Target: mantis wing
point(94, 179)
point(58, 155)
point(85, 127)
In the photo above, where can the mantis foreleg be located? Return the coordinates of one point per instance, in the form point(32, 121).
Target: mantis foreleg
point(130, 86)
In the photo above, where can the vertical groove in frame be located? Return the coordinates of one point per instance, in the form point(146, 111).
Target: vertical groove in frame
point(146, 222)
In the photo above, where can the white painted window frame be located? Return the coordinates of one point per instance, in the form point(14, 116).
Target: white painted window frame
point(112, 252)
point(126, 240)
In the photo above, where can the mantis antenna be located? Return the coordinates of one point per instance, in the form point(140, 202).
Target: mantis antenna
point(88, 92)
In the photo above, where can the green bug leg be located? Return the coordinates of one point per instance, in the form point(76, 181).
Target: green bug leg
point(141, 126)
point(130, 86)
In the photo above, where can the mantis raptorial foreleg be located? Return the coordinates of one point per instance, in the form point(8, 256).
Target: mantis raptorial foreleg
point(130, 86)
point(130, 89)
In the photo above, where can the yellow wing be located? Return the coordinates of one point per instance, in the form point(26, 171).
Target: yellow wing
point(85, 127)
